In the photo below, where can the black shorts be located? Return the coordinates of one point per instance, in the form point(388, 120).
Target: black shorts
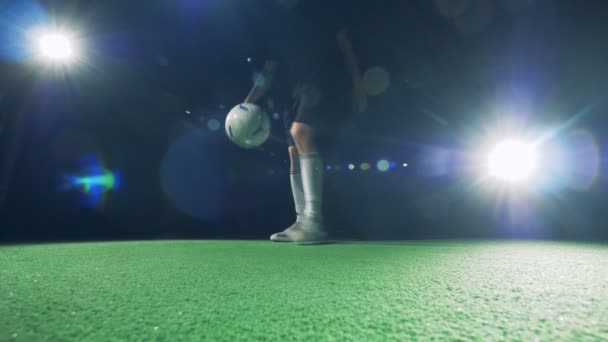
point(307, 108)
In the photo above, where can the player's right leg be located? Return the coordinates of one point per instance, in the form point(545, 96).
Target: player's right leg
point(311, 166)
point(305, 159)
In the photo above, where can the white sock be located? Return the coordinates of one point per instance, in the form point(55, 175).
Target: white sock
point(298, 194)
point(311, 167)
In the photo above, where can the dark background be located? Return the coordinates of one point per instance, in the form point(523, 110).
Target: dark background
point(148, 62)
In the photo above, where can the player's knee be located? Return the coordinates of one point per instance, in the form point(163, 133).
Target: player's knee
point(301, 133)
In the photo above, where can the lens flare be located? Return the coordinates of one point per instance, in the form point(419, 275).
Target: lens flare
point(195, 176)
point(106, 181)
point(93, 182)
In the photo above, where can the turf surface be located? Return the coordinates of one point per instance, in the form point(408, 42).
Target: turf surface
point(244, 290)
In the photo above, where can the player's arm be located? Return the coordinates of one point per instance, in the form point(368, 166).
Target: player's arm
point(262, 82)
point(359, 95)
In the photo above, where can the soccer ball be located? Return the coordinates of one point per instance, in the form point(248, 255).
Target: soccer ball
point(247, 125)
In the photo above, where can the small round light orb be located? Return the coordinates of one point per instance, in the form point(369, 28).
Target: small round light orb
point(213, 124)
point(512, 161)
point(365, 166)
point(383, 165)
point(404, 164)
point(375, 81)
point(351, 166)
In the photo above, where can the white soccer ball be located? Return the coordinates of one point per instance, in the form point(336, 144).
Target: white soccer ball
point(247, 125)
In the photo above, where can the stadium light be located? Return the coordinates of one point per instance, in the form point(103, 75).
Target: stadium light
point(54, 45)
point(512, 161)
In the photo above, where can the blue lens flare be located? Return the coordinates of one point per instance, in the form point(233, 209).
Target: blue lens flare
point(93, 182)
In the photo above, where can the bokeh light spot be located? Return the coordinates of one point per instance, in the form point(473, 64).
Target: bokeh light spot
point(383, 165)
point(375, 81)
point(213, 124)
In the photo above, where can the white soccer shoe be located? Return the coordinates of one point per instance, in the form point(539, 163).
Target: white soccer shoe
point(299, 232)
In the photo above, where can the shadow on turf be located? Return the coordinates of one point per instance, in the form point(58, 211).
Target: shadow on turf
point(318, 243)
point(389, 243)
point(377, 243)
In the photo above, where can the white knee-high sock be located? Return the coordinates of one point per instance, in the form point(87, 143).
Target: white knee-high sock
point(295, 178)
point(311, 166)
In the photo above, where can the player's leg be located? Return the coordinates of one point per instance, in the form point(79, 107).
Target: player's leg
point(311, 167)
point(306, 158)
point(304, 137)
point(295, 178)
point(303, 131)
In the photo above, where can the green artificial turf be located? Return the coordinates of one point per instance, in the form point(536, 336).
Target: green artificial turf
point(245, 290)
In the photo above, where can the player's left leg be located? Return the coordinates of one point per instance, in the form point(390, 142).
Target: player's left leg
point(295, 178)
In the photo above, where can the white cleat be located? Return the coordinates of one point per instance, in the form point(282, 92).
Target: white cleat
point(284, 236)
point(299, 232)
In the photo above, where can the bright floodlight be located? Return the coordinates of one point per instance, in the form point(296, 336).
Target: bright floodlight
point(56, 46)
point(512, 161)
